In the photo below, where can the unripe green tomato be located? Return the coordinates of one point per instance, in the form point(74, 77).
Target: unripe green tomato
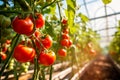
point(4, 21)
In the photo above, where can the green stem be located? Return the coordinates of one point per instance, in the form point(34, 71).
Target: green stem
point(43, 73)
point(15, 71)
point(36, 65)
point(51, 70)
point(15, 40)
point(24, 5)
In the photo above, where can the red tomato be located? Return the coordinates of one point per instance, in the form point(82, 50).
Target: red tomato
point(37, 34)
point(64, 21)
point(46, 41)
point(8, 41)
point(23, 26)
point(70, 43)
point(47, 59)
point(3, 55)
point(4, 49)
point(66, 31)
point(23, 53)
point(62, 52)
point(65, 36)
point(40, 21)
point(92, 52)
point(64, 42)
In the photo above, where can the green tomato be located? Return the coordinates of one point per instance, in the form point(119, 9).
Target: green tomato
point(4, 21)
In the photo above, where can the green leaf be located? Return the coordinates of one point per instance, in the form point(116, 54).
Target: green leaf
point(71, 4)
point(83, 17)
point(106, 1)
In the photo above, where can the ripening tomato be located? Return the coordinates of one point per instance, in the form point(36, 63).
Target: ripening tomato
point(62, 52)
point(46, 41)
point(92, 52)
point(3, 55)
point(23, 53)
point(65, 36)
point(23, 26)
point(37, 33)
point(40, 21)
point(64, 42)
point(70, 43)
point(47, 59)
point(64, 21)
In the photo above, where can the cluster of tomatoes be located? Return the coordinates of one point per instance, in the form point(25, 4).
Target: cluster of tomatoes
point(65, 41)
point(4, 48)
point(38, 45)
point(89, 49)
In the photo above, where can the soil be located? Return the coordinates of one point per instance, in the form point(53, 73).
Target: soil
point(102, 68)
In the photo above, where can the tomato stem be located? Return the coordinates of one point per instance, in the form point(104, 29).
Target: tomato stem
point(14, 43)
point(24, 5)
point(51, 70)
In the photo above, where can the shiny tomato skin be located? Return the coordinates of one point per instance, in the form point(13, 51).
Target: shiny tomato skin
point(40, 21)
point(46, 41)
point(62, 52)
point(47, 59)
point(23, 26)
point(64, 42)
point(23, 53)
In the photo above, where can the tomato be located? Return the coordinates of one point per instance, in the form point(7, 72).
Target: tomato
point(65, 36)
point(64, 21)
point(4, 21)
point(37, 34)
point(23, 53)
point(62, 52)
point(70, 43)
point(4, 49)
point(3, 55)
point(64, 42)
point(8, 41)
point(23, 26)
point(46, 41)
point(92, 52)
point(47, 59)
point(66, 31)
point(39, 20)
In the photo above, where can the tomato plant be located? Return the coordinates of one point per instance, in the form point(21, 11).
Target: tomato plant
point(23, 26)
point(23, 53)
point(47, 59)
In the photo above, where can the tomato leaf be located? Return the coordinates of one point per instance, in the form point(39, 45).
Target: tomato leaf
point(83, 17)
point(71, 4)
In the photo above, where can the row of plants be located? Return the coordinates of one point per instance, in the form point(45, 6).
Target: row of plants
point(114, 47)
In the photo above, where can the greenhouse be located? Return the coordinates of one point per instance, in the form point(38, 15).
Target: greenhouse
point(59, 39)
